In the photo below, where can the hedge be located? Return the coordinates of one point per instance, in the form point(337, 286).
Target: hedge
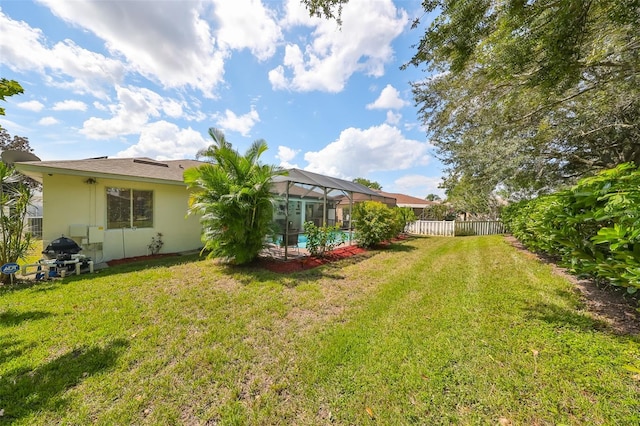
point(593, 228)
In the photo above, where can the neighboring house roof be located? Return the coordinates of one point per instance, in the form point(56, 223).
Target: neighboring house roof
point(135, 169)
point(403, 200)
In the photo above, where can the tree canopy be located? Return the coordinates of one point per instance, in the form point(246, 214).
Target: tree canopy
point(528, 96)
point(18, 143)
point(368, 183)
point(8, 88)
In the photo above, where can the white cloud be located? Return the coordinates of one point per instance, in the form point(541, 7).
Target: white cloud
point(296, 14)
point(135, 107)
point(13, 127)
point(165, 141)
point(64, 65)
point(70, 105)
point(34, 106)
point(97, 105)
point(170, 43)
point(389, 99)
point(362, 44)
point(47, 121)
point(247, 24)
point(418, 184)
point(359, 152)
point(285, 155)
point(393, 118)
point(238, 123)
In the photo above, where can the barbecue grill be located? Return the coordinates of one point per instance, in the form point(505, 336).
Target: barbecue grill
point(62, 248)
point(62, 256)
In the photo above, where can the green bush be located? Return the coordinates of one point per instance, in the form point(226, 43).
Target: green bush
point(322, 239)
point(594, 227)
point(374, 223)
point(403, 216)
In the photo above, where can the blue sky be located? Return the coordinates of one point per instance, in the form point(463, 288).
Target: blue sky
point(148, 78)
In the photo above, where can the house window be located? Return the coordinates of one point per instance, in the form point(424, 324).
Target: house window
point(129, 208)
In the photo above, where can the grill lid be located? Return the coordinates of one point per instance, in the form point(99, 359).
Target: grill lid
point(62, 245)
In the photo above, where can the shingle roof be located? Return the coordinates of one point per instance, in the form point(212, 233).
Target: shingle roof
point(117, 168)
point(407, 200)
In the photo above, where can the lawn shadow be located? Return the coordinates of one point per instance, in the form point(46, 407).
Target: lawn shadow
point(27, 391)
point(11, 348)
point(292, 273)
point(21, 284)
point(11, 318)
point(566, 317)
point(399, 247)
point(134, 266)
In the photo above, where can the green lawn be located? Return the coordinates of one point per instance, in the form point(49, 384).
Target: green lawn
point(432, 331)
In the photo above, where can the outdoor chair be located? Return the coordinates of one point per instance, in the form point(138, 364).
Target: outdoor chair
point(292, 243)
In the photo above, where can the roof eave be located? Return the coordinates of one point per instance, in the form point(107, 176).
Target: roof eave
point(37, 172)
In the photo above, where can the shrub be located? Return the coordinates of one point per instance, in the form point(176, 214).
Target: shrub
point(374, 223)
point(404, 216)
point(322, 239)
point(15, 197)
point(594, 227)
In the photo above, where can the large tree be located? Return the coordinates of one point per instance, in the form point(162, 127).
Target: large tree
point(526, 96)
point(232, 195)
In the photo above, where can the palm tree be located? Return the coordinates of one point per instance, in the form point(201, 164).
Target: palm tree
point(219, 141)
point(232, 195)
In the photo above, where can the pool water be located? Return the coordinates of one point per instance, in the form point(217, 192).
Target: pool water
point(302, 238)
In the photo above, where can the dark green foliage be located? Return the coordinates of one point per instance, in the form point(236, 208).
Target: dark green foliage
point(375, 223)
point(232, 195)
point(438, 212)
point(530, 95)
point(404, 216)
point(322, 239)
point(594, 227)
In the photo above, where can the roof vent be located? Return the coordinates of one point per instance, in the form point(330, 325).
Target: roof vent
point(149, 162)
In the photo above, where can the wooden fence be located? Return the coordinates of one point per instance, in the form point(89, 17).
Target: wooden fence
point(432, 227)
point(453, 228)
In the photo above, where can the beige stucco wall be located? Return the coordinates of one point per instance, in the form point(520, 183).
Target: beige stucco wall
point(70, 200)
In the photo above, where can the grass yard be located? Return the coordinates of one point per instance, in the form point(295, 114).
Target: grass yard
point(431, 331)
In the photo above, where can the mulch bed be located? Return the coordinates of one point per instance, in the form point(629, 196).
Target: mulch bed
point(309, 262)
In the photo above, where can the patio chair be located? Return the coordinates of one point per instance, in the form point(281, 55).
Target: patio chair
point(292, 243)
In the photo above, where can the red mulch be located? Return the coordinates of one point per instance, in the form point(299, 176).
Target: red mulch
point(308, 262)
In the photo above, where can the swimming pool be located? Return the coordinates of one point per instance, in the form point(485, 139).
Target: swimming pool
point(302, 238)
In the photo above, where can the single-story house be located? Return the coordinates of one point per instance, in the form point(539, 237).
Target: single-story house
point(113, 207)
